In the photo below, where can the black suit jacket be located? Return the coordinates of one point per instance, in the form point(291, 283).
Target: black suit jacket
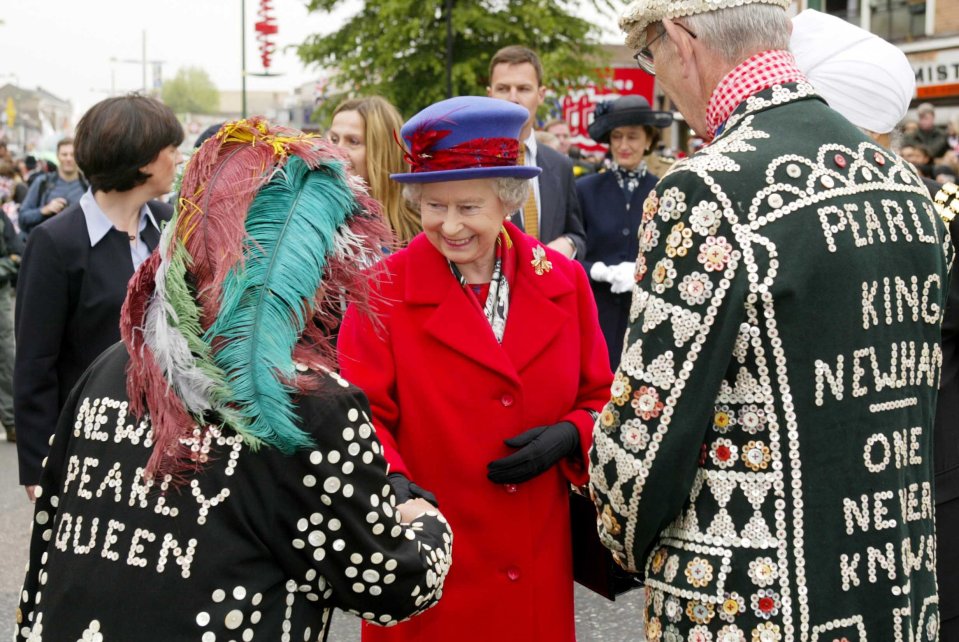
point(69, 297)
point(559, 208)
point(611, 227)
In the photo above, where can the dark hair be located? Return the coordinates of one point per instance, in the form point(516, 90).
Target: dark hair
point(64, 141)
point(517, 55)
point(118, 136)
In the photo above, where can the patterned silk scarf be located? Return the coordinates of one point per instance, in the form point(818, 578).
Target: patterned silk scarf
point(496, 307)
point(629, 179)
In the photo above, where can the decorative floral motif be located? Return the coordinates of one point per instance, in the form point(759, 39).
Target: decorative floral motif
point(654, 629)
point(700, 633)
point(609, 417)
point(723, 453)
point(763, 571)
point(672, 567)
point(610, 523)
point(752, 419)
point(730, 633)
point(672, 609)
point(648, 237)
point(723, 419)
point(765, 603)
point(640, 267)
point(650, 206)
point(715, 253)
point(659, 558)
point(664, 275)
point(699, 572)
point(540, 263)
point(756, 456)
point(769, 632)
point(705, 218)
point(620, 389)
point(635, 435)
point(672, 204)
point(646, 402)
point(679, 240)
point(733, 604)
point(695, 288)
point(699, 612)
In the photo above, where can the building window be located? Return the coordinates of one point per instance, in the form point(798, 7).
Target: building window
point(898, 19)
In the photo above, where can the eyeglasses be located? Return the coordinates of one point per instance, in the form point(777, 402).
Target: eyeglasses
point(644, 57)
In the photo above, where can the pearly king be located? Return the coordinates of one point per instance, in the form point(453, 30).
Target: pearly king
point(766, 457)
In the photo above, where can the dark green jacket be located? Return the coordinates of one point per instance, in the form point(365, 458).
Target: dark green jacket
point(766, 458)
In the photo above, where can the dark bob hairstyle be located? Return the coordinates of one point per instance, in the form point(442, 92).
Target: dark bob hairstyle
point(118, 136)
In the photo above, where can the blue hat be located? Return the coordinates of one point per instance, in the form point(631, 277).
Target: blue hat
point(464, 138)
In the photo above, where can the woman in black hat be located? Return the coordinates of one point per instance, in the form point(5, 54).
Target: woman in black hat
point(612, 205)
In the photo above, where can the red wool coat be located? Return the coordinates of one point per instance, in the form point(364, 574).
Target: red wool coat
point(445, 395)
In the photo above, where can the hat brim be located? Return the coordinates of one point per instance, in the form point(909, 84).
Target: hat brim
point(523, 171)
point(602, 127)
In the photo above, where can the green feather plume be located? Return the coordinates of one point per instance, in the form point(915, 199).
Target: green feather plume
point(268, 297)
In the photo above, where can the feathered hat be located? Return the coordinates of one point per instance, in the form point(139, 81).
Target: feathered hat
point(230, 318)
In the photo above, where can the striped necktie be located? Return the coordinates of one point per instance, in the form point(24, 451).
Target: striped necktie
point(530, 212)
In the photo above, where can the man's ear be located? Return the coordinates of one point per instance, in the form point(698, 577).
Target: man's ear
point(541, 94)
point(489, 92)
point(682, 44)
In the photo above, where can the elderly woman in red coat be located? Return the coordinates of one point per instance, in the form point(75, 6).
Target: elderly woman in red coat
point(485, 368)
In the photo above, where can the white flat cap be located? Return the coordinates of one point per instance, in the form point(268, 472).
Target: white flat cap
point(860, 75)
point(642, 13)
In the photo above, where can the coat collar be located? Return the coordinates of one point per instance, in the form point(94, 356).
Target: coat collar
point(535, 317)
point(772, 97)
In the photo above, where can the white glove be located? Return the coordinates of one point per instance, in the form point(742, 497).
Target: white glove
point(623, 277)
point(601, 272)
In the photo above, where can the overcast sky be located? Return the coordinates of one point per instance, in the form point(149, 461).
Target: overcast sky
point(66, 46)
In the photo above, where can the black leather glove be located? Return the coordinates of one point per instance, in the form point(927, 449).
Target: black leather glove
point(539, 449)
point(405, 490)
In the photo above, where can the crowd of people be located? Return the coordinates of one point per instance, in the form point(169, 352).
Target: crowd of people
point(365, 370)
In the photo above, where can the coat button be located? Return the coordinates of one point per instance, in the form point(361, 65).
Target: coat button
point(506, 400)
point(511, 488)
point(512, 573)
point(625, 231)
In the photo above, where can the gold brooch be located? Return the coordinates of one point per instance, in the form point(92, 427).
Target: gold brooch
point(540, 263)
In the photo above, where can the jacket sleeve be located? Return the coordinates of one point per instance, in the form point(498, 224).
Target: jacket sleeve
point(582, 199)
point(573, 226)
point(336, 526)
point(366, 360)
point(594, 378)
point(30, 216)
point(42, 310)
point(684, 320)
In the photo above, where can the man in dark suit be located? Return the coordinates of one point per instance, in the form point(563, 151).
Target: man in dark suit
point(551, 213)
point(75, 269)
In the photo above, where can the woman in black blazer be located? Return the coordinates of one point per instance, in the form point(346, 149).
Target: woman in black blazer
point(612, 205)
point(74, 274)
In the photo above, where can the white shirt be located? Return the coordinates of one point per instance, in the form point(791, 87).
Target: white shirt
point(99, 225)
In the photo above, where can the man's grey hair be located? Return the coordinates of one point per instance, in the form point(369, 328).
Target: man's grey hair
point(512, 192)
point(737, 33)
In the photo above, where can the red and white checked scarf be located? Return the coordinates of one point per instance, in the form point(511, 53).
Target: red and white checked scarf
point(761, 71)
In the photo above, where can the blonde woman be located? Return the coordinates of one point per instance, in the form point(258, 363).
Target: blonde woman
point(364, 128)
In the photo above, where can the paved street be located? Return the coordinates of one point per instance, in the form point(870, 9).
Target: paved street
point(597, 619)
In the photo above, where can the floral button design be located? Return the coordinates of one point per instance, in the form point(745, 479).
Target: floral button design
point(640, 267)
point(635, 435)
point(610, 523)
point(752, 419)
point(732, 605)
point(756, 456)
point(699, 572)
point(672, 609)
point(663, 275)
point(620, 389)
point(609, 417)
point(763, 571)
point(730, 633)
point(700, 613)
point(705, 218)
point(715, 253)
point(648, 237)
point(723, 419)
point(650, 206)
point(672, 204)
point(659, 558)
point(765, 603)
point(695, 288)
point(723, 453)
point(769, 632)
point(700, 633)
point(646, 402)
point(679, 240)
point(654, 629)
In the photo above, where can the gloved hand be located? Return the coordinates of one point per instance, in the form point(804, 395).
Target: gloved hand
point(539, 449)
point(600, 272)
point(622, 277)
point(406, 490)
